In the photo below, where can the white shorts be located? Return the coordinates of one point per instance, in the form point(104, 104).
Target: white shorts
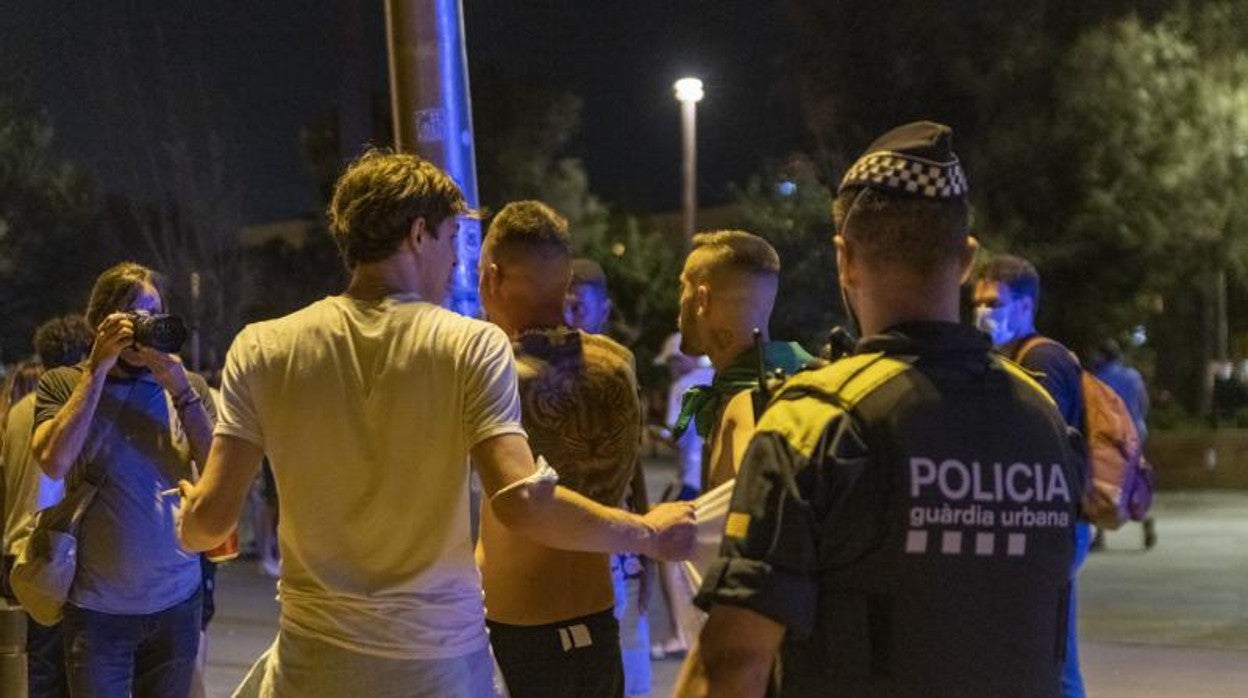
point(298, 665)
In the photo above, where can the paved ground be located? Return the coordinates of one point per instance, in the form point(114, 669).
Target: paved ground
point(1169, 623)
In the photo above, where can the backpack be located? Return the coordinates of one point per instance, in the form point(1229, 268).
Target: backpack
point(1120, 480)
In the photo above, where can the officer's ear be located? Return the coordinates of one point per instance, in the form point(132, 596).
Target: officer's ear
point(967, 260)
point(846, 261)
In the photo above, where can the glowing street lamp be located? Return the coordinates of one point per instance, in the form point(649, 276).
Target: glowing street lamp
point(689, 93)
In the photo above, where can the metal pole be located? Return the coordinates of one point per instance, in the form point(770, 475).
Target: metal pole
point(1222, 334)
point(13, 662)
point(432, 112)
point(689, 167)
point(196, 346)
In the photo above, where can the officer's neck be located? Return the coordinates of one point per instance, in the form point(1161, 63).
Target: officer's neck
point(892, 307)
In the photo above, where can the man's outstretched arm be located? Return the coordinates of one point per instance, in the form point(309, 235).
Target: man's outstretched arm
point(560, 518)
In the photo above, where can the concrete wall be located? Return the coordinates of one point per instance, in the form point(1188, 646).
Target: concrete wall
point(1199, 458)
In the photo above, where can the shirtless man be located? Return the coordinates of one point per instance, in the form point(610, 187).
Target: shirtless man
point(727, 290)
point(551, 612)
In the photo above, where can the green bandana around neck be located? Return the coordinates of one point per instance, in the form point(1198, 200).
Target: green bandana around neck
point(702, 404)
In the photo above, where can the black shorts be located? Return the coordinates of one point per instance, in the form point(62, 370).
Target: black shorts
point(576, 658)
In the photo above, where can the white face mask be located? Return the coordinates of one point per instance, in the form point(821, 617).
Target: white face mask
point(994, 323)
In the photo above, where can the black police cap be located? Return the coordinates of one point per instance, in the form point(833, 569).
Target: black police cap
point(916, 159)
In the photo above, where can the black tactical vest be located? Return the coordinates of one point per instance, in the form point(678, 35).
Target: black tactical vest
point(946, 538)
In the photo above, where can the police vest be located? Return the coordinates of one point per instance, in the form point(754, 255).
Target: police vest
point(945, 549)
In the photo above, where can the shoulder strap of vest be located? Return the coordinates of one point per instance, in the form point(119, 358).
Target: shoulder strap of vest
point(803, 406)
point(848, 381)
point(768, 387)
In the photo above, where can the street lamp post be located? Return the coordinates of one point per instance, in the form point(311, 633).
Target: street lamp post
point(689, 93)
point(432, 112)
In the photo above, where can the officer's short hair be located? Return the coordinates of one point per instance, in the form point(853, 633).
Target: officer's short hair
point(1018, 275)
point(524, 228)
point(903, 201)
point(739, 251)
point(918, 233)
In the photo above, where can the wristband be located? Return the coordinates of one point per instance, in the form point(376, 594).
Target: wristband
point(544, 474)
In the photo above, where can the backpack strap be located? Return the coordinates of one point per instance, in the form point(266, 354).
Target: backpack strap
point(802, 407)
point(1036, 340)
point(1023, 375)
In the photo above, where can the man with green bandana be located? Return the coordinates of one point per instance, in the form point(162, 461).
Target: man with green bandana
point(727, 291)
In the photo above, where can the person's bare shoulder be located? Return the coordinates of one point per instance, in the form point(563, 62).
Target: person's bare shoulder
point(610, 353)
point(582, 412)
point(612, 348)
point(740, 410)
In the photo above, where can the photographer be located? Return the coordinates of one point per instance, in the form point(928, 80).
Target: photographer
point(134, 412)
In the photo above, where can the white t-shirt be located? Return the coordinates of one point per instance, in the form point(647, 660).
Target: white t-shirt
point(367, 411)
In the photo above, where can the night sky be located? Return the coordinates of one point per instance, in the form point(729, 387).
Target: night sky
point(112, 74)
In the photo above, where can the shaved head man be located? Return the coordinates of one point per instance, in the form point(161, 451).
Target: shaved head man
point(727, 290)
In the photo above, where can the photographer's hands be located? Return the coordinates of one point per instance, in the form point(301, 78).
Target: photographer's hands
point(115, 334)
point(167, 369)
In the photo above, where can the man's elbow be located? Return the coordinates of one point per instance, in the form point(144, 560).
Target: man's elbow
point(738, 675)
point(50, 462)
point(724, 660)
point(733, 667)
point(524, 509)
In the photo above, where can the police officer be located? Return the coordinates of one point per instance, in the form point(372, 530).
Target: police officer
point(902, 522)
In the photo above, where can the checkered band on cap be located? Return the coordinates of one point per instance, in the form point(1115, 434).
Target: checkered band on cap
point(906, 173)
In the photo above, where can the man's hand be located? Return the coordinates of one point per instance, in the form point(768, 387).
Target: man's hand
point(167, 369)
point(675, 531)
point(212, 506)
point(115, 334)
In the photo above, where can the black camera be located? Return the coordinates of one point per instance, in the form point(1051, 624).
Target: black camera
point(166, 333)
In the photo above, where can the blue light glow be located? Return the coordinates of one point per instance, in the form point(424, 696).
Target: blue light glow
point(458, 143)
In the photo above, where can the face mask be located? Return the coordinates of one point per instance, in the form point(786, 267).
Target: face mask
point(993, 322)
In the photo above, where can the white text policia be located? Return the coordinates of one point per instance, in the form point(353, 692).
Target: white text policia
point(1018, 483)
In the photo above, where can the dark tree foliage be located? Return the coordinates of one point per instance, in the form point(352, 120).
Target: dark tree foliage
point(293, 275)
point(790, 207)
point(50, 237)
point(1101, 140)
